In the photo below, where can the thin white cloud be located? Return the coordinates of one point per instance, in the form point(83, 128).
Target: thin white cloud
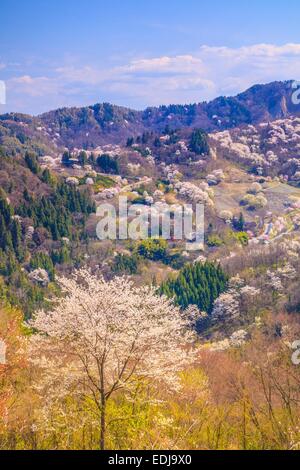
point(162, 90)
point(87, 74)
point(208, 72)
point(256, 50)
point(177, 64)
point(33, 86)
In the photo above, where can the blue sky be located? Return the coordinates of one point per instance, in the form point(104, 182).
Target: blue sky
point(138, 53)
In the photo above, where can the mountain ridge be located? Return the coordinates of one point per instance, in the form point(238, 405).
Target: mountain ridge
point(102, 123)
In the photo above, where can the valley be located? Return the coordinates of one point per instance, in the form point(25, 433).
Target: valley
point(239, 296)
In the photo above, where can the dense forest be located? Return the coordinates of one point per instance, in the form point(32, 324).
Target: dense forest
point(198, 284)
point(31, 227)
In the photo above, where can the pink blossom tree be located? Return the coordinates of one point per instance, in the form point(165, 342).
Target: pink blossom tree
point(102, 337)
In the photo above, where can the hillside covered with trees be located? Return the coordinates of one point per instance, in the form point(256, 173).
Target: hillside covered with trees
point(144, 342)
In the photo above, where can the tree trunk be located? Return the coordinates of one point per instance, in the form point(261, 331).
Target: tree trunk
point(102, 422)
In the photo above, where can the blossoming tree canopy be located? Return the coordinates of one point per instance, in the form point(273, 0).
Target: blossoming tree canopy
point(105, 336)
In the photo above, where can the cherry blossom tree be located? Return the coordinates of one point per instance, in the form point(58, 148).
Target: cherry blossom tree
point(239, 296)
point(102, 337)
point(226, 307)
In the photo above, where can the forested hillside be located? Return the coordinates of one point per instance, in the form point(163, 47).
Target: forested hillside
point(100, 124)
point(37, 228)
point(151, 340)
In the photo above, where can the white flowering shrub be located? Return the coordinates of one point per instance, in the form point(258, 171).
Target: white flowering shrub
point(274, 282)
point(236, 300)
point(226, 215)
point(238, 338)
point(254, 202)
point(226, 307)
point(255, 188)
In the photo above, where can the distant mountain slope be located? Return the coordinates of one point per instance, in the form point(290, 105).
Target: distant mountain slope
point(270, 148)
point(100, 124)
point(260, 103)
point(93, 125)
point(20, 133)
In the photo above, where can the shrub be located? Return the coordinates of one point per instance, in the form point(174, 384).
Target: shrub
point(126, 264)
point(242, 238)
point(255, 188)
point(254, 202)
point(152, 249)
point(214, 241)
point(226, 215)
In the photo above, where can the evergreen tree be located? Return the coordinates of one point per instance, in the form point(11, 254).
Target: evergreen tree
point(66, 157)
point(16, 234)
point(92, 159)
point(82, 158)
point(32, 162)
point(239, 224)
point(126, 264)
point(199, 143)
point(108, 164)
point(42, 260)
point(47, 178)
point(197, 284)
point(130, 142)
